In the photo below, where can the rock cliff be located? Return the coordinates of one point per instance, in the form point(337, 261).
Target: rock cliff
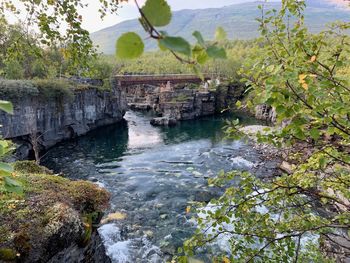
point(181, 102)
point(51, 120)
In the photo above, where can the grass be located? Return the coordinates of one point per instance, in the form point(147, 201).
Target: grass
point(45, 88)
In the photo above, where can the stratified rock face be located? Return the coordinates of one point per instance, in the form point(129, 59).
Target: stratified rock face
point(172, 104)
point(54, 120)
point(186, 104)
point(142, 97)
point(228, 95)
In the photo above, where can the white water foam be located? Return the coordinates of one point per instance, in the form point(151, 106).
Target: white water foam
point(116, 248)
point(241, 162)
point(128, 251)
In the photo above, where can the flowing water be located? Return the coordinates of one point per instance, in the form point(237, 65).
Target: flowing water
point(153, 174)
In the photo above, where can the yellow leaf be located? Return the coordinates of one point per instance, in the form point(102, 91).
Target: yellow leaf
point(114, 216)
point(226, 260)
point(313, 58)
point(302, 77)
point(305, 86)
point(188, 209)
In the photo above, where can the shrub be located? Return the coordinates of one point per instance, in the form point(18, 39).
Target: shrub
point(54, 88)
point(14, 70)
point(11, 89)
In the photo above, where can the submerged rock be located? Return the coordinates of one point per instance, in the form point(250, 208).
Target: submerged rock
point(163, 121)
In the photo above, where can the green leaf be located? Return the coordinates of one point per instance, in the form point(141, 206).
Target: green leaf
point(220, 34)
point(202, 57)
point(314, 133)
point(199, 38)
point(6, 167)
point(198, 72)
point(216, 52)
point(200, 54)
point(6, 106)
point(161, 47)
point(157, 12)
point(177, 44)
point(13, 186)
point(129, 45)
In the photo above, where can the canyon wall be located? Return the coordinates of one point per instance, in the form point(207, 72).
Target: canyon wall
point(51, 120)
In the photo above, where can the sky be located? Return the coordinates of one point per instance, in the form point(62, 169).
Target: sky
point(92, 21)
point(129, 11)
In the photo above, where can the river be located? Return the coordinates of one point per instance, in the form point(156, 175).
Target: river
point(153, 174)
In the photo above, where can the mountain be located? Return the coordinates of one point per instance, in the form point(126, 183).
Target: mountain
point(238, 20)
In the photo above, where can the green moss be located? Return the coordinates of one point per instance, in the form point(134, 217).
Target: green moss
point(30, 167)
point(180, 98)
point(27, 220)
point(7, 254)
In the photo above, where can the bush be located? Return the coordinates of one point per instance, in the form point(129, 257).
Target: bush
point(13, 70)
point(10, 89)
point(54, 88)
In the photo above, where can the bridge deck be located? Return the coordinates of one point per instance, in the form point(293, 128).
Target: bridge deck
point(130, 80)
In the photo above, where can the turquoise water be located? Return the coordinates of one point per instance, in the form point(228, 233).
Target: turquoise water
point(153, 174)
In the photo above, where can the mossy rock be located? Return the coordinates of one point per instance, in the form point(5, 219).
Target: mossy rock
point(30, 167)
point(50, 215)
point(8, 254)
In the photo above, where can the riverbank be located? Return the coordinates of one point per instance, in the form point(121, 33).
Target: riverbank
point(54, 220)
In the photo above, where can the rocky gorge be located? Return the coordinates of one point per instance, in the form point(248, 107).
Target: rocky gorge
point(43, 121)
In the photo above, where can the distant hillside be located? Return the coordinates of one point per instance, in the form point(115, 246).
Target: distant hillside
point(238, 20)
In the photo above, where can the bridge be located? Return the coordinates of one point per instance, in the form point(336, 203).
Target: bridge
point(131, 80)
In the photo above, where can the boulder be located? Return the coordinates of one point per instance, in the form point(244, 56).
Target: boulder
point(163, 121)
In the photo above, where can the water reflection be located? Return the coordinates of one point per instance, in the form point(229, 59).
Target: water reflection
point(141, 134)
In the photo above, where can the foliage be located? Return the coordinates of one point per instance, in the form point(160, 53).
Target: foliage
point(6, 178)
point(22, 56)
point(164, 62)
point(300, 75)
point(12, 89)
point(54, 88)
point(46, 88)
point(99, 68)
point(60, 22)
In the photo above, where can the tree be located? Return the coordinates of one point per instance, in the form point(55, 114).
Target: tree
point(60, 22)
point(301, 76)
